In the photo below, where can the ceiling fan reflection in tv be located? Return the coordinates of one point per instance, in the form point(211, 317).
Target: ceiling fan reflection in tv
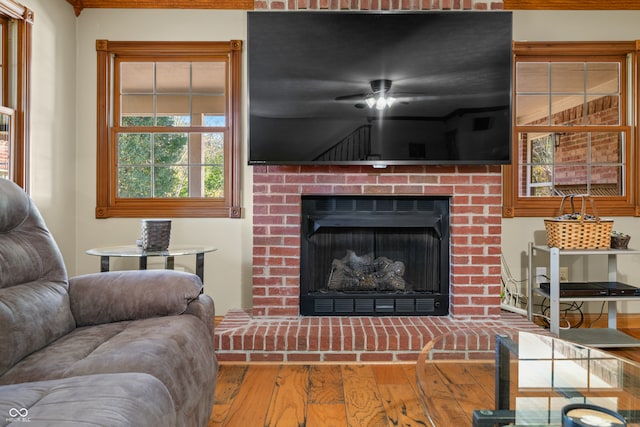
point(429, 87)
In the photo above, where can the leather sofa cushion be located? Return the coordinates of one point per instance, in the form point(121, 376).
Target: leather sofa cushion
point(170, 348)
point(108, 400)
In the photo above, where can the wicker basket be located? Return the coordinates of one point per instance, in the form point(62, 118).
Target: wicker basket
point(155, 234)
point(579, 233)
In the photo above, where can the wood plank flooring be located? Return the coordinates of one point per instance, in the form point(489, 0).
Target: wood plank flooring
point(353, 395)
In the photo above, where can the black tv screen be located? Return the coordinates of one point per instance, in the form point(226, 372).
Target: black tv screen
point(379, 88)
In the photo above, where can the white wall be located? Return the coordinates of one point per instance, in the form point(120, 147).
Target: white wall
point(52, 157)
point(64, 128)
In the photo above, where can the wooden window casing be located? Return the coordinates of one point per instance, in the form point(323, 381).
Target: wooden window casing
point(16, 85)
point(516, 205)
point(108, 204)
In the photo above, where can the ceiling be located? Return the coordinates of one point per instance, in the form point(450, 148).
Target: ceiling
point(79, 5)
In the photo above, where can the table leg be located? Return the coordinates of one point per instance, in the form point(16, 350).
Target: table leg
point(143, 263)
point(200, 266)
point(104, 264)
point(169, 263)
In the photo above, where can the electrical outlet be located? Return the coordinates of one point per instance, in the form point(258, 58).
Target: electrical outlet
point(541, 275)
point(564, 274)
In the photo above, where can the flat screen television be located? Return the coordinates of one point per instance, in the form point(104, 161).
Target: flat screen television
point(381, 89)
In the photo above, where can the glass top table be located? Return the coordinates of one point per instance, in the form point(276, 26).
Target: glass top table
point(482, 378)
point(134, 251)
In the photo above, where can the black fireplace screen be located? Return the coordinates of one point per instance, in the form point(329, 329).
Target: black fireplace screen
point(374, 255)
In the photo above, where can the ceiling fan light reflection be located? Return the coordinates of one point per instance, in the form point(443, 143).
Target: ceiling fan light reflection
point(381, 102)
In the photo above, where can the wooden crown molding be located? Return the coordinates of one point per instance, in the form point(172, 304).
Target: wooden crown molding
point(571, 5)
point(79, 5)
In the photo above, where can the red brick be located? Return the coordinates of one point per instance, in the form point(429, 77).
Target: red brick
point(457, 180)
point(347, 189)
point(304, 357)
point(232, 357)
point(340, 357)
point(407, 189)
point(266, 357)
point(376, 357)
point(276, 210)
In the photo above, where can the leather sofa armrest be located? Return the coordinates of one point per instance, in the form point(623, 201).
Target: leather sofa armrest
point(130, 295)
point(204, 309)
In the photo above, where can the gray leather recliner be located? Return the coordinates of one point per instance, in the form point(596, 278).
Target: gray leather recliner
point(123, 348)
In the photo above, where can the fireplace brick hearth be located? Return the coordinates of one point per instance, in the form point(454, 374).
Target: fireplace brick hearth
point(242, 338)
point(475, 209)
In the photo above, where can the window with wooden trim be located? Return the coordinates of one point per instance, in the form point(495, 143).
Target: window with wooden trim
point(572, 130)
point(15, 61)
point(168, 129)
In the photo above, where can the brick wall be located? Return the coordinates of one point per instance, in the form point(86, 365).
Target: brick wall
point(379, 4)
point(475, 206)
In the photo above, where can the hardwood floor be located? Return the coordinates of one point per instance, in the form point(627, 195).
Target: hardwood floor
point(371, 395)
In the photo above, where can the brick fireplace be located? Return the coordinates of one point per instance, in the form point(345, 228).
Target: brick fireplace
point(475, 227)
point(273, 330)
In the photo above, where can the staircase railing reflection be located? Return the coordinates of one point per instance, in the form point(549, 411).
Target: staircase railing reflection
point(355, 146)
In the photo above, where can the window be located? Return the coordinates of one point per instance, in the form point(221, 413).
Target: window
point(15, 45)
point(168, 129)
point(571, 130)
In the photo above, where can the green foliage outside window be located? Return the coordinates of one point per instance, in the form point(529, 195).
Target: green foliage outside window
point(157, 164)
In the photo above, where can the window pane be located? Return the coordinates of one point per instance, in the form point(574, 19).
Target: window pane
point(568, 77)
point(136, 110)
point(171, 181)
point(214, 181)
point(607, 147)
point(603, 110)
point(536, 180)
point(213, 148)
point(173, 110)
point(571, 148)
point(533, 77)
point(134, 181)
point(603, 77)
point(170, 148)
point(209, 78)
point(567, 110)
point(136, 77)
point(606, 181)
point(532, 109)
point(571, 179)
point(6, 145)
point(173, 77)
point(134, 149)
point(214, 120)
point(204, 106)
